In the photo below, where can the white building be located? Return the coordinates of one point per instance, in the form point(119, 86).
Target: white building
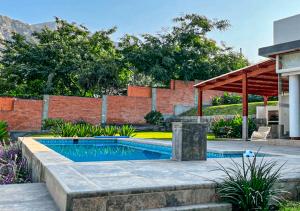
point(286, 52)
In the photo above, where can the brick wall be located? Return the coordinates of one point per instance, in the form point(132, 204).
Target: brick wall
point(181, 93)
point(124, 109)
point(75, 108)
point(139, 91)
point(27, 114)
point(24, 115)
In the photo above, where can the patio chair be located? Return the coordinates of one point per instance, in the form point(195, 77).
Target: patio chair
point(261, 134)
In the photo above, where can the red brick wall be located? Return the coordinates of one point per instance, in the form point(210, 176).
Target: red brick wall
point(123, 109)
point(7, 103)
point(139, 91)
point(26, 115)
point(75, 108)
point(183, 94)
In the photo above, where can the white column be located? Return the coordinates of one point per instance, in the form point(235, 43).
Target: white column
point(294, 101)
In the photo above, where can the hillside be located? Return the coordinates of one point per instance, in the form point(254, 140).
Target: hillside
point(9, 25)
point(227, 109)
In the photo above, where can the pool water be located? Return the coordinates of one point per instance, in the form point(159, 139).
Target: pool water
point(112, 150)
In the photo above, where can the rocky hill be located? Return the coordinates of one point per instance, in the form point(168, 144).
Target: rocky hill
point(8, 25)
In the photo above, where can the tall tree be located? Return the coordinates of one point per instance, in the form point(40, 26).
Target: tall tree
point(184, 52)
point(67, 61)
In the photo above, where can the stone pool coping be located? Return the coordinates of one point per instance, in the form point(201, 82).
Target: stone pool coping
point(69, 181)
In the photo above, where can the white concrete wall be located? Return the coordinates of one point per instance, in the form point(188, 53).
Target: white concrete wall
point(287, 29)
point(284, 113)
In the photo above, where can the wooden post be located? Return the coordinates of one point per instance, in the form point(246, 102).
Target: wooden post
point(245, 107)
point(265, 107)
point(200, 93)
point(266, 100)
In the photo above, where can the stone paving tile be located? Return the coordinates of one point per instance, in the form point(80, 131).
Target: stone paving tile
point(26, 197)
point(122, 175)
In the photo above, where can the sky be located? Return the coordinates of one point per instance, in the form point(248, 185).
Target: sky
point(251, 20)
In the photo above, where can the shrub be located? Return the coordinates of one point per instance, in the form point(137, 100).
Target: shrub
point(154, 118)
point(13, 168)
point(48, 124)
point(226, 98)
point(250, 185)
point(231, 128)
point(3, 132)
point(127, 130)
point(96, 131)
point(110, 131)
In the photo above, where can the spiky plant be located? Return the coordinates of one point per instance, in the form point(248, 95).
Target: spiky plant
point(251, 184)
point(3, 132)
point(127, 130)
point(110, 130)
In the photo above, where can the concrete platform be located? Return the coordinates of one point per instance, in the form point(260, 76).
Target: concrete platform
point(148, 184)
point(26, 197)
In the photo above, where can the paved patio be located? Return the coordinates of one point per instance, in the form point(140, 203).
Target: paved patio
point(124, 183)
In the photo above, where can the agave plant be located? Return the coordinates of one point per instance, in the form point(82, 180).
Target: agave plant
point(3, 131)
point(96, 131)
point(110, 131)
point(126, 130)
point(65, 130)
point(250, 185)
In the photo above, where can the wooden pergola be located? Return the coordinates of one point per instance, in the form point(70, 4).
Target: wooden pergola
point(258, 79)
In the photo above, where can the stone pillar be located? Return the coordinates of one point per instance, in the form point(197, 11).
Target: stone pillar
point(45, 107)
point(153, 100)
point(294, 101)
point(104, 109)
point(189, 141)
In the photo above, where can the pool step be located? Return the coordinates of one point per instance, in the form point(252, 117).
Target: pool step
point(198, 207)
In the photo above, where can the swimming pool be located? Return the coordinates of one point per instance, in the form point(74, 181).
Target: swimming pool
point(86, 150)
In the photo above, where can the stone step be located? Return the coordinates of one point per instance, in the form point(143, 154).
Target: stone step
point(26, 197)
point(198, 207)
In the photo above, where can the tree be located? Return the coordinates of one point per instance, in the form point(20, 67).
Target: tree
point(184, 52)
point(66, 61)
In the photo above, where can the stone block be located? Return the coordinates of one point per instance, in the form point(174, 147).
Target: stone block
point(189, 141)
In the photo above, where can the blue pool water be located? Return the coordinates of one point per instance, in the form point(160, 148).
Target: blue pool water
point(111, 150)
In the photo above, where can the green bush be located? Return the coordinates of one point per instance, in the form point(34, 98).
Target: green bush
point(126, 130)
point(110, 130)
point(226, 98)
point(154, 118)
point(48, 124)
point(250, 185)
point(3, 132)
point(69, 129)
point(231, 128)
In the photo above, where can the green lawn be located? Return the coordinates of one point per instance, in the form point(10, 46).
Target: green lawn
point(149, 135)
point(227, 109)
point(162, 135)
point(291, 206)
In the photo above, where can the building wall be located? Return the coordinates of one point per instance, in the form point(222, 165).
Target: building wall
point(287, 29)
point(75, 108)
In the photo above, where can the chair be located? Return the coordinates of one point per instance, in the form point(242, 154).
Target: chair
point(261, 134)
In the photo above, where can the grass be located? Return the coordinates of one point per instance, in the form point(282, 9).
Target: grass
point(146, 135)
point(291, 206)
point(232, 109)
